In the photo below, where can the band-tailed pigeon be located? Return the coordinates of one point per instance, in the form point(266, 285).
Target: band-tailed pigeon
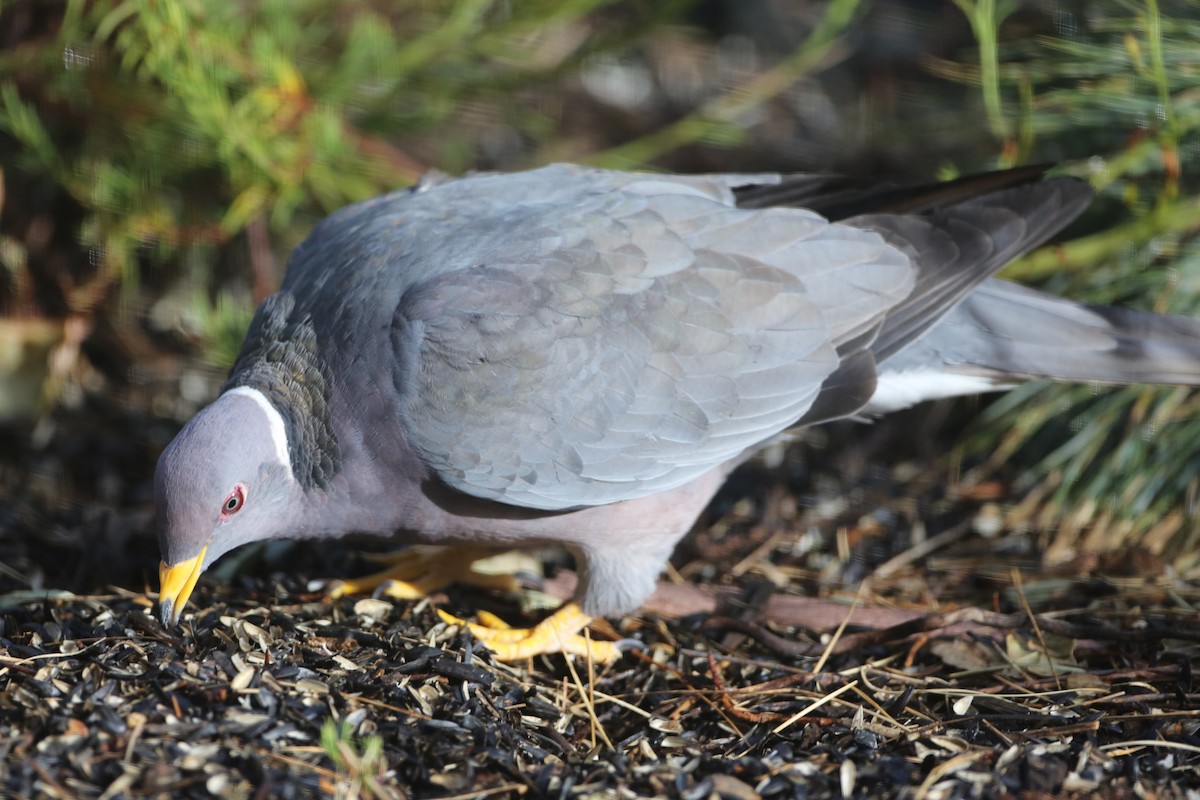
point(580, 357)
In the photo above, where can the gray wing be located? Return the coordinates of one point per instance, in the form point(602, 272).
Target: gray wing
point(959, 246)
point(566, 337)
point(651, 333)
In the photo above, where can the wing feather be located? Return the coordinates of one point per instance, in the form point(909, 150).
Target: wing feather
point(568, 337)
point(665, 333)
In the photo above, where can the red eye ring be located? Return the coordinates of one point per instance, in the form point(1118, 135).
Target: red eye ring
point(234, 501)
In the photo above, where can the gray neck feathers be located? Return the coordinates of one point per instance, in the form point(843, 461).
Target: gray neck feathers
point(280, 358)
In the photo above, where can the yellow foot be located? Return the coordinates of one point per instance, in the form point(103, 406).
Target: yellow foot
point(558, 633)
point(420, 571)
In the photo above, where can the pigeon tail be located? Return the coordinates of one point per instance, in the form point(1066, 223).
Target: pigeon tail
point(1003, 334)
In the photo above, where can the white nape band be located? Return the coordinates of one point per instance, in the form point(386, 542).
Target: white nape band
point(897, 390)
point(274, 422)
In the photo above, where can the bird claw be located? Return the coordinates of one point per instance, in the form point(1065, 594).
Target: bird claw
point(417, 573)
point(332, 588)
point(558, 633)
point(385, 587)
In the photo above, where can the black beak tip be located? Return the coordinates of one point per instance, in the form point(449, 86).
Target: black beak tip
point(166, 609)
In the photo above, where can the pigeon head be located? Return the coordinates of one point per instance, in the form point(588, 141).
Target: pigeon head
point(224, 481)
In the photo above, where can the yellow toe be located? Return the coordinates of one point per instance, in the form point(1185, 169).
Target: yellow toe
point(421, 571)
point(489, 620)
point(558, 633)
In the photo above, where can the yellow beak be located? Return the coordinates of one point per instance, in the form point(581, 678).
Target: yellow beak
point(176, 582)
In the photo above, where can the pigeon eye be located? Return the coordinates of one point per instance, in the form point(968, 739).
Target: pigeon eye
point(235, 501)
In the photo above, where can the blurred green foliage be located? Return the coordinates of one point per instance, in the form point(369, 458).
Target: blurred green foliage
point(1117, 84)
point(182, 128)
point(178, 125)
point(362, 767)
